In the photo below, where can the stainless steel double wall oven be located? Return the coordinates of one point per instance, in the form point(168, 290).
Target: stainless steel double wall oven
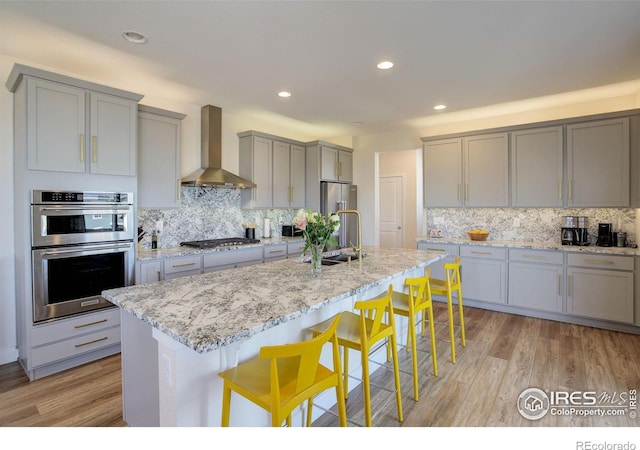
point(82, 243)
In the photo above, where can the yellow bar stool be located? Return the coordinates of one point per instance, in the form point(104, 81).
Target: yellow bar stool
point(284, 376)
point(446, 287)
point(418, 300)
point(360, 332)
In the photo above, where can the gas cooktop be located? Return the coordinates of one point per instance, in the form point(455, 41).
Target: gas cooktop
point(224, 242)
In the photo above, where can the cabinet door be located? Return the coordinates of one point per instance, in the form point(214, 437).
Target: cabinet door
point(345, 166)
point(281, 175)
point(329, 160)
point(55, 127)
point(262, 172)
point(536, 167)
point(598, 163)
point(158, 161)
point(113, 135)
point(298, 176)
point(484, 280)
point(437, 269)
point(443, 173)
point(600, 294)
point(535, 286)
point(148, 272)
point(486, 170)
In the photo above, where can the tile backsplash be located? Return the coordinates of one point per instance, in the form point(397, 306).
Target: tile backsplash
point(208, 213)
point(524, 224)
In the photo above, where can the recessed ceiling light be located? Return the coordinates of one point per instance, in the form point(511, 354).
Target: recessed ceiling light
point(439, 107)
point(385, 65)
point(284, 94)
point(134, 37)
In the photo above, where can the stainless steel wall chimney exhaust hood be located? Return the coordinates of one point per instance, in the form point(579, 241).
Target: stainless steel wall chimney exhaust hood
point(211, 172)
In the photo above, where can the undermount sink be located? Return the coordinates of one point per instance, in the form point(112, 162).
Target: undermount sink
point(331, 260)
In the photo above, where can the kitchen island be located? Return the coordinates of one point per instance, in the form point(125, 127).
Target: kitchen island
point(178, 334)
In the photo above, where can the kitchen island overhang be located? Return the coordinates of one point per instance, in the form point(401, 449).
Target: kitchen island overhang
point(178, 334)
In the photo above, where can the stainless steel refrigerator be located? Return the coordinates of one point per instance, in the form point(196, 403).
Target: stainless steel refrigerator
point(340, 196)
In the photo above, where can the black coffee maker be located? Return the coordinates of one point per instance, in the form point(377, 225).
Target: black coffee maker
point(605, 237)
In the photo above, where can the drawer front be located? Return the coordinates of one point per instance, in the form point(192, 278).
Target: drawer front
point(535, 256)
point(72, 327)
point(294, 250)
point(479, 251)
point(601, 261)
point(275, 251)
point(230, 257)
point(450, 249)
point(73, 347)
point(183, 264)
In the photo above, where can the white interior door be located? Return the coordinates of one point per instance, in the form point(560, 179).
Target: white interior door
point(391, 211)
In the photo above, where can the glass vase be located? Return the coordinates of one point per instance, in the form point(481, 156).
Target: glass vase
point(316, 259)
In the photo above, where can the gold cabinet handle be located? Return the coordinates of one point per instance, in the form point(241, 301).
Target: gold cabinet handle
point(339, 168)
point(256, 193)
point(89, 324)
point(480, 253)
point(598, 261)
point(458, 191)
point(94, 141)
point(183, 265)
point(178, 192)
point(91, 342)
point(275, 251)
point(559, 285)
point(292, 193)
point(559, 190)
point(82, 148)
point(534, 257)
point(569, 282)
point(466, 192)
point(570, 194)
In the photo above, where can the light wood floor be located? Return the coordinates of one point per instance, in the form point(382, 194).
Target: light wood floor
point(505, 354)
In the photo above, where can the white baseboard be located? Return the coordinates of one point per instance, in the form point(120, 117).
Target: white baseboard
point(8, 355)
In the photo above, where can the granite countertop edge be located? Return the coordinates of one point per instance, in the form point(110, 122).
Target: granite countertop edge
point(532, 245)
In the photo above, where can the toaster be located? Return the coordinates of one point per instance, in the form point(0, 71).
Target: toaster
point(291, 230)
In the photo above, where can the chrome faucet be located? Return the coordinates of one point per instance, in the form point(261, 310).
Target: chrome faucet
point(357, 213)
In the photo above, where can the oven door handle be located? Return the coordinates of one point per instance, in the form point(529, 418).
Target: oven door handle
point(83, 249)
point(86, 208)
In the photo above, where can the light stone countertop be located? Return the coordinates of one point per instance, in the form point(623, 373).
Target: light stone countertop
point(208, 311)
point(628, 251)
point(173, 252)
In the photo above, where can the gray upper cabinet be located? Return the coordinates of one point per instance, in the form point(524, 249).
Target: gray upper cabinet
point(158, 157)
point(60, 139)
point(598, 163)
point(536, 167)
point(288, 175)
point(486, 170)
point(443, 173)
point(256, 164)
point(470, 171)
point(277, 166)
point(337, 164)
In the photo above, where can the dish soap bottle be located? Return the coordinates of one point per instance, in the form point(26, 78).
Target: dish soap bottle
point(154, 240)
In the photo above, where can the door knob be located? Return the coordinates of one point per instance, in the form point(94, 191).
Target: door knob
point(399, 228)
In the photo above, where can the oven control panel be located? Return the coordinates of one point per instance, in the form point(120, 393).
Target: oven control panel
point(40, 197)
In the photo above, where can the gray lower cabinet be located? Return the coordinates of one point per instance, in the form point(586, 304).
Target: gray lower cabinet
point(275, 252)
point(536, 280)
point(601, 287)
point(484, 273)
point(452, 250)
point(148, 272)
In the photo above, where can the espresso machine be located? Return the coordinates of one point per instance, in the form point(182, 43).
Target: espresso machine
point(575, 230)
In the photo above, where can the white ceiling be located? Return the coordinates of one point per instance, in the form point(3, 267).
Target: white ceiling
point(239, 54)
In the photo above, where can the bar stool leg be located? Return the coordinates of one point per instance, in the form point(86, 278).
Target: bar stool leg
point(451, 328)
